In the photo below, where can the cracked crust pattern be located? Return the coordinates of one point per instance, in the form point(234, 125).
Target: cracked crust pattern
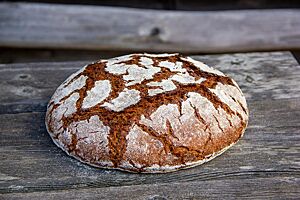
point(147, 113)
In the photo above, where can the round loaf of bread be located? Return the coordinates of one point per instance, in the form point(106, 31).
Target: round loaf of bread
point(147, 113)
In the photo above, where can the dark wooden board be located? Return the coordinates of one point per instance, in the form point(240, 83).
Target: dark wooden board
point(264, 164)
point(26, 55)
point(29, 55)
point(98, 27)
point(181, 4)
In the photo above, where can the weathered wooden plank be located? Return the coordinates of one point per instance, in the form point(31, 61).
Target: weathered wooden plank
point(282, 188)
point(92, 27)
point(273, 75)
point(269, 151)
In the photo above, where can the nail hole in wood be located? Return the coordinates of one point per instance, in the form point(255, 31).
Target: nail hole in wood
point(155, 31)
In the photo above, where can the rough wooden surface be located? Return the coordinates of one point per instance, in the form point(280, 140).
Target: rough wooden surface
point(96, 27)
point(264, 164)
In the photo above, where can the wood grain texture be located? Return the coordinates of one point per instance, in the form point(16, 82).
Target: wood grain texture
point(258, 188)
point(91, 27)
point(264, 164)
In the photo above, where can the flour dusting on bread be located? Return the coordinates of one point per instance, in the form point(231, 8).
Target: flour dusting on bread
point(147, 113)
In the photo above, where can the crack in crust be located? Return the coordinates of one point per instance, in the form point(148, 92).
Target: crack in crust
point(199, 117)
point(207, 125)
point(121, 122)
point(181, 152)
point(170, 130)
point(219, 124)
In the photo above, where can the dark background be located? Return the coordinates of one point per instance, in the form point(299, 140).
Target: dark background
point(200, 5)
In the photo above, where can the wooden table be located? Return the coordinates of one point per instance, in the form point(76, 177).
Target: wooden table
point(265, 163)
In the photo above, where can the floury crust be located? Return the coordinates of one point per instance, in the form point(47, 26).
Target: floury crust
point(147, 113)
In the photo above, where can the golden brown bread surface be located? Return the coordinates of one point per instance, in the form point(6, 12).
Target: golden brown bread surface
point(147, 113)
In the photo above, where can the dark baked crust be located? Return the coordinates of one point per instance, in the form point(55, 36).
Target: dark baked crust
point(147, 113)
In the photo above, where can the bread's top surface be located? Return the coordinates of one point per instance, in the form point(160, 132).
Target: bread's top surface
point(146, 112)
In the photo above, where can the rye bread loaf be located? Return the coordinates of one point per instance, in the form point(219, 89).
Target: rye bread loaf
point(147, 113)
